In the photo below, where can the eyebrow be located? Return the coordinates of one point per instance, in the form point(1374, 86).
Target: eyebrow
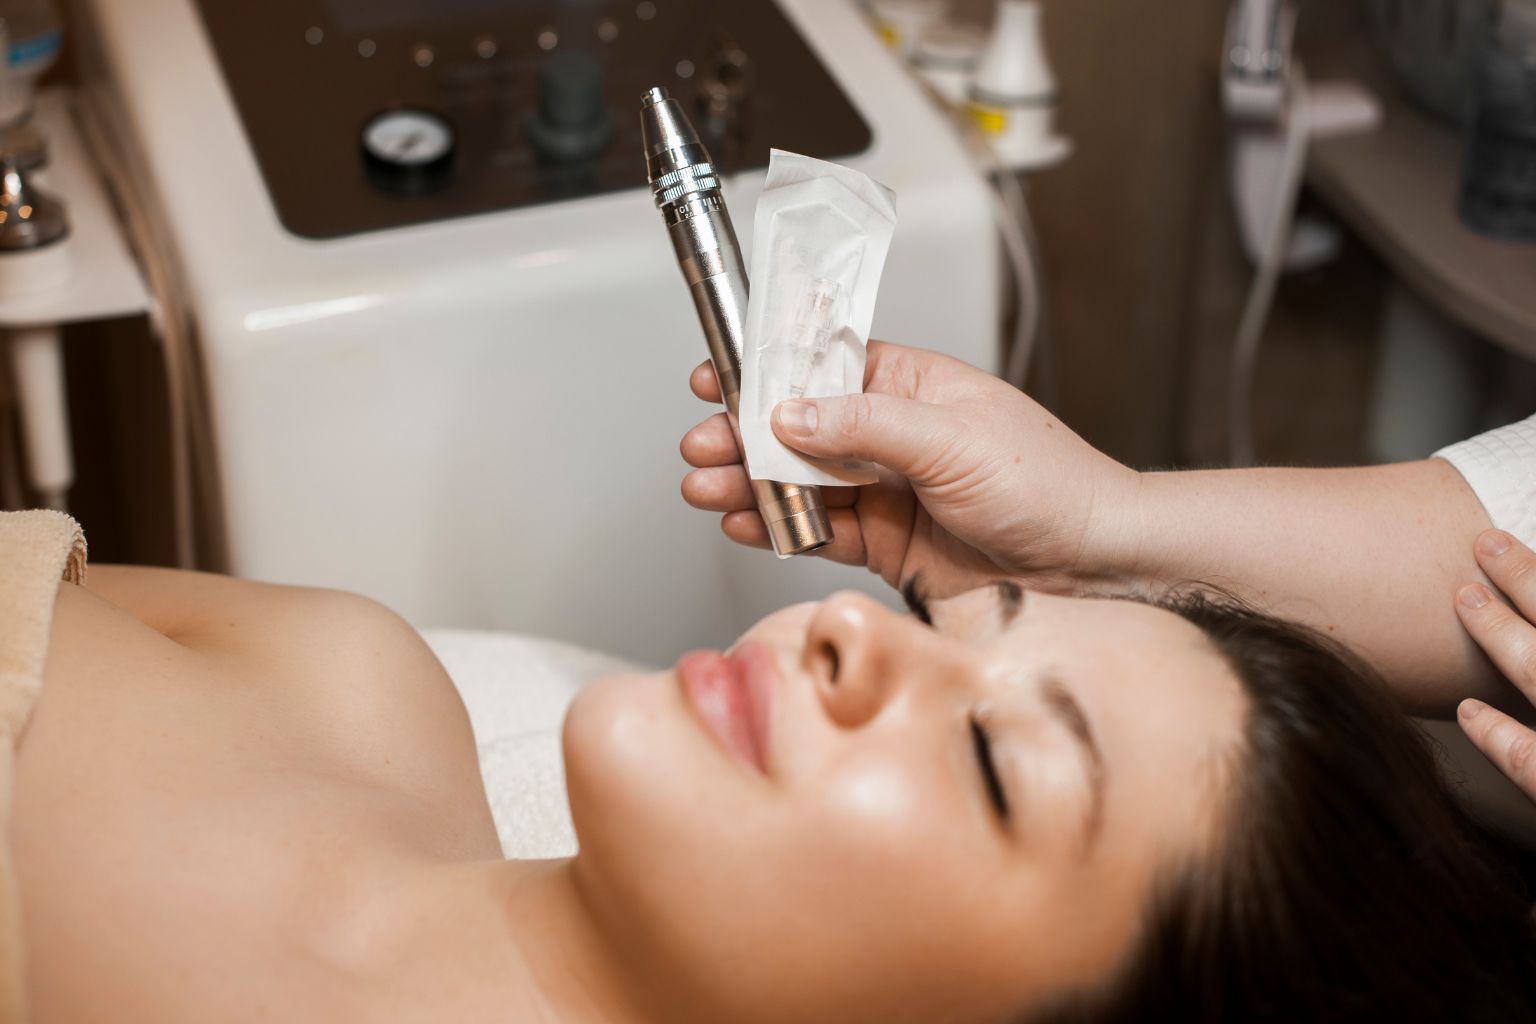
point(1010, 598)
point(1065, 707)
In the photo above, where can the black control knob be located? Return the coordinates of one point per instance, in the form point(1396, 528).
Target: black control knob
point(573, 121)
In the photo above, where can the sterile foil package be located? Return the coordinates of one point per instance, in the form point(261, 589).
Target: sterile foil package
point(819, 244)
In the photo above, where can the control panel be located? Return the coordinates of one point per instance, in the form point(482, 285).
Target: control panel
point(366, 115)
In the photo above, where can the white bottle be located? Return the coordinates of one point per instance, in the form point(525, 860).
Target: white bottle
point(31, 36)
point(1013, 98)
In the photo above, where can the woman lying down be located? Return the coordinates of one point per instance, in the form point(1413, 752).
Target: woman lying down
point(237, 802)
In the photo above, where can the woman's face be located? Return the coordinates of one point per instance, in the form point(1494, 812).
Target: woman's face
point(857, 816)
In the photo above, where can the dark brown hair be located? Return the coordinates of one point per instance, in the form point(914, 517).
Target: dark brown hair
point(1346, 883)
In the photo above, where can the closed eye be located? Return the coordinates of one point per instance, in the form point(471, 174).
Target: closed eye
point(917, 603)
point(983, 744)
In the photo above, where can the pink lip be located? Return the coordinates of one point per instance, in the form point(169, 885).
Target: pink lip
point(733, 695)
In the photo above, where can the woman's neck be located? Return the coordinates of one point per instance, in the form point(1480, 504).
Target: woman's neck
point(509, 940)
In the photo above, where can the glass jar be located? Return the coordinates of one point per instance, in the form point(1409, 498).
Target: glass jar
point(1498, 183)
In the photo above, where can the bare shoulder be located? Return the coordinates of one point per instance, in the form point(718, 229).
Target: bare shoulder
point(306, 634)
point(354, 676)
point(287, 630)
point(195, 608)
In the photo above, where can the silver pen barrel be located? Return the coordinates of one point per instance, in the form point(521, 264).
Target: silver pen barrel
point(687, 192)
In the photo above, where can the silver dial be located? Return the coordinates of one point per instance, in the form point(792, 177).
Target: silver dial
point(408, 139)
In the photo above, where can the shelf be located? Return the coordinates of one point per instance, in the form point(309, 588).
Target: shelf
point(106, 282)
point(1397, 188)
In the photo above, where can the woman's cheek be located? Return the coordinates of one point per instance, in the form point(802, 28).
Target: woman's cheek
point(869, 802)
point(628, 758)
point(601, 726)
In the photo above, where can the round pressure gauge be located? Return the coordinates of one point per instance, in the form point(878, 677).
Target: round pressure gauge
point(408, 147)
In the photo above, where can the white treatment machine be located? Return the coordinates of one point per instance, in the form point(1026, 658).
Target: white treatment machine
point(442, 334)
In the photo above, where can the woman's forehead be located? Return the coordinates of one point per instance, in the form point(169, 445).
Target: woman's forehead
point(1155, 690)
point(1089, 625)
point(1117, 649)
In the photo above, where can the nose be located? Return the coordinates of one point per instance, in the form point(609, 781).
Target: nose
point(862, 655)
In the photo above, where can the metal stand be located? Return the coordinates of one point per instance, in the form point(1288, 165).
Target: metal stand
point(37, 366)
point(103, 283)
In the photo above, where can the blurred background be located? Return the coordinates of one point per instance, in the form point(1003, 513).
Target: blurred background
point(373, 294)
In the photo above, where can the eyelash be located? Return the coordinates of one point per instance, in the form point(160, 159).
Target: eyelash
point(916, 602)
point(982, 740)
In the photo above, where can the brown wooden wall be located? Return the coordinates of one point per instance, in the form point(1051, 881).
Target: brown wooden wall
point(1145, 279)
point(1118, 223)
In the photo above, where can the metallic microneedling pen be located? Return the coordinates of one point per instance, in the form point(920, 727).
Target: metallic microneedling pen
point(687, 191)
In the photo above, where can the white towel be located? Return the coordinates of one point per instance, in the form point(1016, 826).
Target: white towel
point(1500, 467)
point(37, 550)
point(517, 690)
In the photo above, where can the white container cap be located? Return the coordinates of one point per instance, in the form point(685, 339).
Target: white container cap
point(1015, 67)
point(953, 47)
point(1013, 96)
point(902, 23)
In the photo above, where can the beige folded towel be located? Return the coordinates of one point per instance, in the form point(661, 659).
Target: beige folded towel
point(37, 550)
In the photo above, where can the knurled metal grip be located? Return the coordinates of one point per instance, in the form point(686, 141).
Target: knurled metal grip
point(683, 182)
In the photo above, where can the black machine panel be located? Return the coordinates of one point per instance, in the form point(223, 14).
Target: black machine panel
point(374, 114)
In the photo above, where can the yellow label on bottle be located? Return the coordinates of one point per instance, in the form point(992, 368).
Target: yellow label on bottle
point(890, 35)
point(989, 119)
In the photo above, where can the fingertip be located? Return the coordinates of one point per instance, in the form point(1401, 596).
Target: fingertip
point(1481, 724)
point(795, 421)
point(1493, 543)
point(711, 444)
point(704, 382)
point(1473, 597)
point(746, 529)
point(847, 547)
point(688, 448)
point(696, 492)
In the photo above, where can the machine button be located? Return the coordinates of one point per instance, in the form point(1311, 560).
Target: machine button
point(408, 150)
point(572, 122)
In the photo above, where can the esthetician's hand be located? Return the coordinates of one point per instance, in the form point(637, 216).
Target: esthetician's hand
point(1509, 638)
point(979, 481)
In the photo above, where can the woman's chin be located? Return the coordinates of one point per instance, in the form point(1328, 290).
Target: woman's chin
point(633, 755)
point(610, 725)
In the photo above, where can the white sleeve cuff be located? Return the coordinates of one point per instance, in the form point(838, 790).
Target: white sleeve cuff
point(1500, 467)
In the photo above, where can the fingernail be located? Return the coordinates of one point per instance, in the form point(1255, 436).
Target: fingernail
point(798, 417)
point(1493, 543)
point(1473, 596)
point(1470, 709)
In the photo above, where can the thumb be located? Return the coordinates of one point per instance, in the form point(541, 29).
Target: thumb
point(898, 433)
